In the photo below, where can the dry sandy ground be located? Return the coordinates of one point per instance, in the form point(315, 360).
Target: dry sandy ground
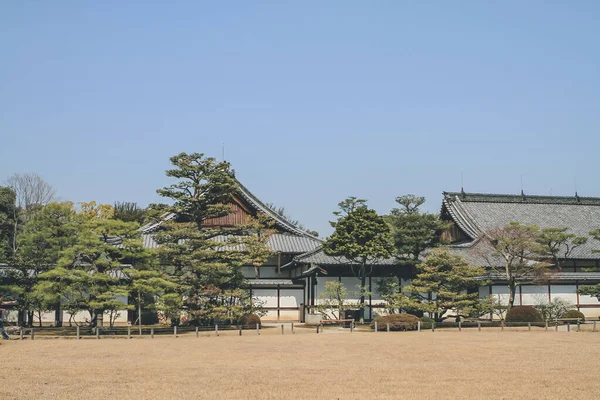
point(426, 365)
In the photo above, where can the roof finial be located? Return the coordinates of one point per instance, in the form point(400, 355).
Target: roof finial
point(577, 197)
point(523, 195)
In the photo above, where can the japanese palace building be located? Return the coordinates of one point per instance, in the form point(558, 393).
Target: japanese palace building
point(290, 282)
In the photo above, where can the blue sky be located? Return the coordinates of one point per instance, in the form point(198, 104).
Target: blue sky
point(315, 101)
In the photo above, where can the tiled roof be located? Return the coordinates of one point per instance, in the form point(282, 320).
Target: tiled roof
point(278, 242)
point(267, 282)
point(556, 276)
point(476, 213)
point(317, 256)
point(292, 240)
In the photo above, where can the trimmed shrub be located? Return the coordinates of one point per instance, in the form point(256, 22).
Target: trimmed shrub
point(524, 314)
point(574, 314)
point(398, 322)
point(250, 320)
point(426, 322)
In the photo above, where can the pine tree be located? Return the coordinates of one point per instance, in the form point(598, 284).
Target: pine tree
point(362, 237)
point(204, 262)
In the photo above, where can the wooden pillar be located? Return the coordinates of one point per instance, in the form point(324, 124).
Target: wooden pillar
point(279, 263)
point(577, 293)
point(278, 302)
point(370, 301)
point(520, 295)
point(549, 297)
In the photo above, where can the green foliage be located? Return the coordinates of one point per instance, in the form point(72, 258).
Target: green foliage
point(203, 262)
point(43, 238)
point(129, 212)
point(426, 322)
point(446, 282)
point(86, 273)
point(574, 315)
point(8, 214)
point(491, 305)
point(413, 231)
point(523, 314)
point(590, 290)
point(333, 301)
point(397, 301)
point(257, 233)
point(557, 245)
point(398, 322)
point(361, 236)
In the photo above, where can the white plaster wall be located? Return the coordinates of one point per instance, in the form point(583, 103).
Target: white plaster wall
point(501, 292)
point(565, 292)
point(268, 297)
point(533, 294)
point(291, 297)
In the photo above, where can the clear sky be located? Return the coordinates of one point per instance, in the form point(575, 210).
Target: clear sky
point(314, 100)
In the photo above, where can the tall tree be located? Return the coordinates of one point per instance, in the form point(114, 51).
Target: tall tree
point(257, 233)
point(362, 237)
point(592, 290)
point(44, 237)
point(32, 192)
point(205, 263)
point(282, 212)
point(446, 282)
point(519, 248)
point(414, 231)
point(88, 274)
point(8, 213)
point(128, 212)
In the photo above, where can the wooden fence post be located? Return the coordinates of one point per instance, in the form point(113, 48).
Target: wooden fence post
point(32, 334)
point(21, 332)
point(568, 327)
point(97, 333)
point(578, 326)
point(152, 332)
point(352, 326)
point(433, 326)
point(257, 329)
point(419, 326)
point(197, 333)
point(594, 329)
point(217, 329)
point(282, 329)
point(175, 331)
point(529, 325)
point(295, 331)
point(460, 326)
point(317, 329)
point(502, 325)
point(240, 328)
point(388, 326)
point(479, 326)
point(546, 328)
point(556, 326)
point(129, 332)
point(375, 326)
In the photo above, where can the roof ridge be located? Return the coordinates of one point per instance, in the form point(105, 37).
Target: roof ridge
point(283, 222)
point(520, 198)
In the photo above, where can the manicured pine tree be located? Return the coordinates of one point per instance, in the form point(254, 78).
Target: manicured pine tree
point(205, 262)
point(362, 237)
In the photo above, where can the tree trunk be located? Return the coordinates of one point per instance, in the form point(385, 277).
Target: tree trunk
point(363, 281)
point(512, 288)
